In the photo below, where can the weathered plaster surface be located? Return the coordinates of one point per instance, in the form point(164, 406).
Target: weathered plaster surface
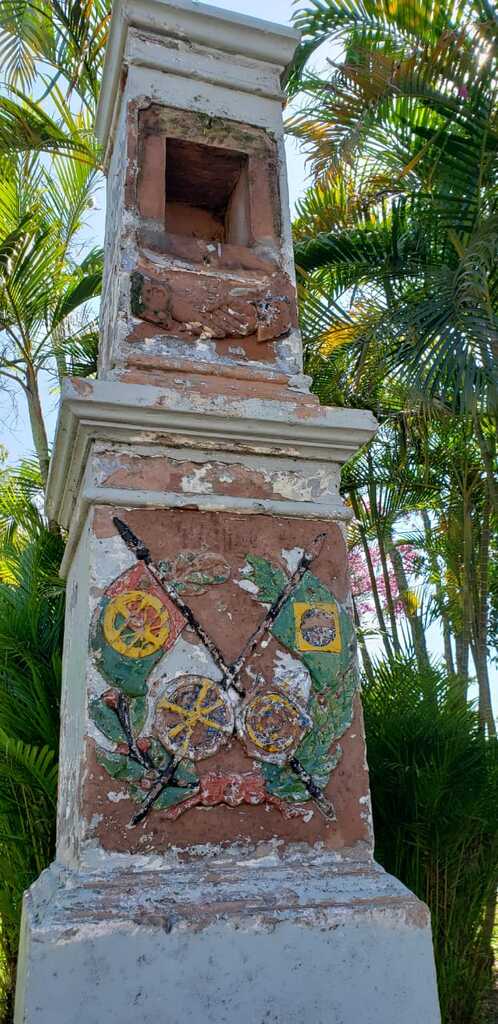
point(323, 942)
point(204, 420)
point(74, 698)
point(145, 297)
point(166, 470)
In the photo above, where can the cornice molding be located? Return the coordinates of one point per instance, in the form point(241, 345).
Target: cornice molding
point(194, 23)
point(112, 412)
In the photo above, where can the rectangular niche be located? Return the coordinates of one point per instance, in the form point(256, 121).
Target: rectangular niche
point(207, 192)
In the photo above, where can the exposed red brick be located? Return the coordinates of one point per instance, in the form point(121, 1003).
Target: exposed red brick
point(152, 177)
point(222, 256)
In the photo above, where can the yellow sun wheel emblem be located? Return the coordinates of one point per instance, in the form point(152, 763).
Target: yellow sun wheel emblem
point(194, 717)
point(136, 624)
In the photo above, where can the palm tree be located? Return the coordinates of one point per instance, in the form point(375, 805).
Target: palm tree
point(385, 490)
point(398, 237)
point(434, 781)
point(44, 283)
point(460, 538)
point(396, 245)
point(57, 46)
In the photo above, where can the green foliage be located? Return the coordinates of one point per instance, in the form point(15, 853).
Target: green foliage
point(396, 248)
point(64, 35)
point(25, 127)
point(31, 629)
point(397, 239)
point(434, 782)
point(106, 721)
point(46, 321)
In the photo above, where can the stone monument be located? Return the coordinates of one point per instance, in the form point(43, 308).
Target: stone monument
point(214, 857)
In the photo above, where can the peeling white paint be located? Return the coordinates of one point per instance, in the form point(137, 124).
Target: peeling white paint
point(292, 557)
point(247, 585)
point(197, 481)
point(291, 672)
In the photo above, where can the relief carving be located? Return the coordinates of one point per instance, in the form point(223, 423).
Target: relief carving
point(159, 738)
point(201, 306)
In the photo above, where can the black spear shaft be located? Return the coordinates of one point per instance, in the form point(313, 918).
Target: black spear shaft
point(142, 553)
point(264, 627)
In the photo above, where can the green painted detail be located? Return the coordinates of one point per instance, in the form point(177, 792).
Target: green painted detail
point(106, 721)
point(282, 782)
point(138, 714)
point(186, 774)
point(158, 755)
point(130, 674)
point(119, 766)
point(137, 304)
point(191, 579)
point(325, 669)
point(269, 579)
point(188, 782)
point(334, 681)
point(173, 795)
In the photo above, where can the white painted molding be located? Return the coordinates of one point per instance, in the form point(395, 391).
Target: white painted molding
point(108, 411)
point(193, 23)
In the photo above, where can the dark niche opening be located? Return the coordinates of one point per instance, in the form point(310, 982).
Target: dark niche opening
point(207, 193)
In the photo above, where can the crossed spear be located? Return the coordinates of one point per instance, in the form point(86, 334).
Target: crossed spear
point(230, 673)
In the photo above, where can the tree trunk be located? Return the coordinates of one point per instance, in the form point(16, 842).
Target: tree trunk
point(489, 458)
point(37, 423)
point(414, 620)
point(372, 493)
point(481, 640)
point(371, 575)
point(463, 640)
point(365, 657)
point(389, 594)
point(448, 650)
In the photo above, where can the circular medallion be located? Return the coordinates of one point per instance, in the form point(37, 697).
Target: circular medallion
point(194, 715)
point(318, 627)
point(136, 623)
point(271, 724)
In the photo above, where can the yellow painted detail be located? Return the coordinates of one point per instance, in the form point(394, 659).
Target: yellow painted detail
point(198, 714)
point(136, 624)
point(261, 708)
point(328, 613)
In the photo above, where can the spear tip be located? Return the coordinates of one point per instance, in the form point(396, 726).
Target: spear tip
point(131, 540)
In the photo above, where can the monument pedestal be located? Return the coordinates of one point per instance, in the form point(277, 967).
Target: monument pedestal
point(214, 842)
point(315, 939)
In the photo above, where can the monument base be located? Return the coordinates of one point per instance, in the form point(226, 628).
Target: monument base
point(320, 941)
